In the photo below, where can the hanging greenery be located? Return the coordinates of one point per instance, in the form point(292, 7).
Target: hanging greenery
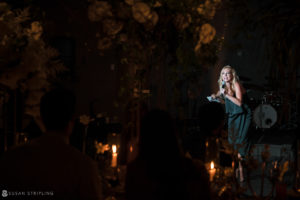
point(26, 62)
point(169, 37)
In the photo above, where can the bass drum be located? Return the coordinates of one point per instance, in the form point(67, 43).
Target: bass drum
point(265, 116)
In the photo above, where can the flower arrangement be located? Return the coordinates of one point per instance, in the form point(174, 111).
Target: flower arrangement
point(26, 62)
point(174, 38)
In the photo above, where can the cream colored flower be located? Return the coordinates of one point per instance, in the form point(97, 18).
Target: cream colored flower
point(153, 19)
point(198, 46)
point(157, 4)
point(207, 33)
point(98, 10)
point(36, 27)
point(101, 148)
point(130, 2)
point(182, 21)
point(200, 9)
point(35, 31)
point(112, 27)
point(217, 1)
point(141, 12)
point(85, 119)
point(208, 9)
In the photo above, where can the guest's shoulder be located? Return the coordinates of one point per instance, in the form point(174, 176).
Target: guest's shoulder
point(195, 167)
point(136, 165)
point(78, 155)
point(16, 151)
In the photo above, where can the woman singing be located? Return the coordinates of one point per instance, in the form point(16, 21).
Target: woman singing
point(239, 114)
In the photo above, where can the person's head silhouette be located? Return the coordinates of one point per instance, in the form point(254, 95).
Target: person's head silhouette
point(57, 109)
point(158, 136)
point(211, 118)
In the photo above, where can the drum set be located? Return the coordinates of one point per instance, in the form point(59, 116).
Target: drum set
point(270, 107)
point(265, 114)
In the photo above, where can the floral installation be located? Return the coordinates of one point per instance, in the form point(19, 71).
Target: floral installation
point(175, 38)
point(100, 147)
point(26, 62)
point(85, 119)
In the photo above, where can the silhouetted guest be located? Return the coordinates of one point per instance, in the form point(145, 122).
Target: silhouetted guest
point(48, 167)
point(211, 123)
point(33, 130)
point(211, 118)
point(160, 170)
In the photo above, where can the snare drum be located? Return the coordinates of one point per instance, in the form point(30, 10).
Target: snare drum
point(265, 116)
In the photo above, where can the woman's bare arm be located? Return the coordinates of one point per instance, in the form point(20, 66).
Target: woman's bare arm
point(238, 99)
point(218, 94)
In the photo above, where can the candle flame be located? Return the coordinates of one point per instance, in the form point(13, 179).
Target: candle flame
point(114, 148)
point(212, 165)
point(131, 148)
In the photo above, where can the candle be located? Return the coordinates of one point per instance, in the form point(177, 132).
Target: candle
point(114, 156)
point(212, 171)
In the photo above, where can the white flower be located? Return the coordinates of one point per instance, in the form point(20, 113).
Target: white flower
point(100, 148)
point(208, 9)
point(85, 119)
point(98, 10)
point(112, 27)
point(35, 31)
point(153, 20)
point(157, 4)
point(141, 12)
point(130, 2)
point(207, 33)
point(182, 21)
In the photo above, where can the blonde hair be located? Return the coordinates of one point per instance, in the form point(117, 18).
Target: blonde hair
point(234, 75)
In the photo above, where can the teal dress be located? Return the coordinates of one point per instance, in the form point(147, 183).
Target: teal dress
point(239, 120)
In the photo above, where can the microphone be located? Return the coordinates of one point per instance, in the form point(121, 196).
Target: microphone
point(223, 85)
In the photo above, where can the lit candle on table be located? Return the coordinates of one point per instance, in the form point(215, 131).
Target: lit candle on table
point(114, 156)
point(212, 171)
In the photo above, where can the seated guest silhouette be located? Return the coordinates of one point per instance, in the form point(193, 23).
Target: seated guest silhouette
point(211, 124)
point(161, 171)
point(48, 167)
